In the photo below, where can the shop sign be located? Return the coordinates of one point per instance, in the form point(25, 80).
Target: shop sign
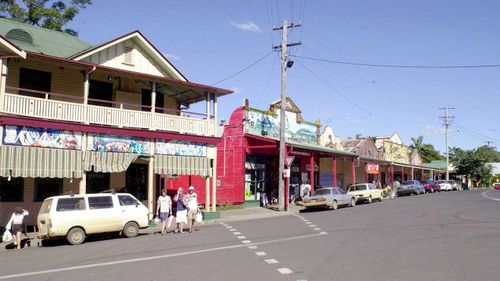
point(42, 137)
point(110, 143)
point(268, 125)
point(300, 153)
point(372, 168)
point(181, 148)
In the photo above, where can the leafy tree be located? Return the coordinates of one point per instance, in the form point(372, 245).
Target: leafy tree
point(471, 163)
point(42, 13)
point(426, 151)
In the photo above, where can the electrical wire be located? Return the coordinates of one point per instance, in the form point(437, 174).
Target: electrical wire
point(242, 70)
point(400, 66)
point(473, 132)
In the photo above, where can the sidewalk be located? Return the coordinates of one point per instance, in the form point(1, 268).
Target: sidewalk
point(31, 241)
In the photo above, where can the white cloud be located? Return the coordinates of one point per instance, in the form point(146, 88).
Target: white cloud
point(173, 57)
point(349, 120)
point(247, 26)
point(430, 130)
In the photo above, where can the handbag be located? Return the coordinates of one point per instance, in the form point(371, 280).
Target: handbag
point(199, 217)
point(7, 236)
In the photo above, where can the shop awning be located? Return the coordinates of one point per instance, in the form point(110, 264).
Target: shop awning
point(108, 162)
point(182, 165)
point(37, 162)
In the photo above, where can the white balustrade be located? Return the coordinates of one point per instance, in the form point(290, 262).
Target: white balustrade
point(74, 112)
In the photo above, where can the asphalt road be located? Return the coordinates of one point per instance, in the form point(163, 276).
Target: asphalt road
point(444, 236)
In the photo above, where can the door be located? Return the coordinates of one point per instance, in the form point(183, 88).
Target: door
point(131, 210)
point(137, 181)
point(104, 214)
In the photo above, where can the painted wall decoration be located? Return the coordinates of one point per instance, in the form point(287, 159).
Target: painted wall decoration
point(267, 125)
point(111, 143)
point(396, 152)
point(181, 148)
point(415, 158)
point(41, 137)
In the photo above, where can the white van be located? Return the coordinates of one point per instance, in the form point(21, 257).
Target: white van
point(76, 216)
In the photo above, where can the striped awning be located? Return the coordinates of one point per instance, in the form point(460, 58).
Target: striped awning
point(108, 162)
point(37, 162)
point(182, 165)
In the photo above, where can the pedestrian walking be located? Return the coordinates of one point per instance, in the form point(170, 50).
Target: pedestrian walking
point(181, 214)
point(192, 207)
point(163, 210)
point(15, 224)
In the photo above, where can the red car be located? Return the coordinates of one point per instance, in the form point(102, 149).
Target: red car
point(496, 185)
point(431, 186)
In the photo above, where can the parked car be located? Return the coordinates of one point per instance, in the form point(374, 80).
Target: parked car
point(431, 186)
point(410, 187)
point(328, 197)
point(496, 185)
point(454, 185)
point(366, 192)
point(76, 216)
point(445, 186)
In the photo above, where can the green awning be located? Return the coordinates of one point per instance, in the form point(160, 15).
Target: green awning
point(182, 165)
point(37, 162)
point(108, 162)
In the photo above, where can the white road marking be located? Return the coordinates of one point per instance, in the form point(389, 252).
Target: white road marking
point(232, 229)
point(489, 197)
point(246, 241)
point(317, 228)
point(260, 253)
point(4, 277)
point(312, 225)
point(323, 233)
point(236, 233)
point(308, 222)
point(271, 261)
point(285, 270)
point(241, 237)
point(252, 247)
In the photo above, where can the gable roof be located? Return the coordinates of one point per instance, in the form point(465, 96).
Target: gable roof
point(41, 40)
point(8, 49)
point(290, 105)
point(139, 38)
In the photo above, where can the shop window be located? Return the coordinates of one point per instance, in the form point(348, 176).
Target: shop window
point(45, 188)
point(97, 182)
point(34, 80)
point(11, 191)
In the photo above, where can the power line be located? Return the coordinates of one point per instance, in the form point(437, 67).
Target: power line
point(484, 137)
point(400, 66)
point(247, 67)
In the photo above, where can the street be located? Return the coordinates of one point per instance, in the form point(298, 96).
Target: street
point(443, 236)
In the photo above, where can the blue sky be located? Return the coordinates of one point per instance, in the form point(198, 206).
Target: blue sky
point(211, 40)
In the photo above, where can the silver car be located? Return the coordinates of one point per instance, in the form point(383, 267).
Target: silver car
point(330, 197)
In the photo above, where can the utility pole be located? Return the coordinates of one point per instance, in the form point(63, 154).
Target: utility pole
point(284, 64)
point(488, 143)
point(447, 120)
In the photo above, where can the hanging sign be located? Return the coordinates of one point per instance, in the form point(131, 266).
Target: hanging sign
point(372, 168)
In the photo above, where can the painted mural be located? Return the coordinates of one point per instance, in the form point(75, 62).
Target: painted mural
point(42, 137)
point(396, 153)
point(268, 125)
point(110, 143)
point(181, 148)
point(415, 158)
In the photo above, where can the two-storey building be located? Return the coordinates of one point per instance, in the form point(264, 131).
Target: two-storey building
point(81, 118)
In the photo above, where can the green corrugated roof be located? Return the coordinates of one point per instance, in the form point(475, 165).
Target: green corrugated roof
point(320, 148)
point(436, 164)
point(45, 41)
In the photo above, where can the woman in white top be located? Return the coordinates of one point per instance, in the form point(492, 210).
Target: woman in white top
point(15, 224)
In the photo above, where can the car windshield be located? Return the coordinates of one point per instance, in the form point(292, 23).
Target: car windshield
point(358, 187)
point(408, 182)
point(322, 192)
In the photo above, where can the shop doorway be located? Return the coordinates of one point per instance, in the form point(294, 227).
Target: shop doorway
point(137, 181)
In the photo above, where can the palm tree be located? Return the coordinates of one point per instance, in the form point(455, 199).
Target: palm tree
point(417, 143)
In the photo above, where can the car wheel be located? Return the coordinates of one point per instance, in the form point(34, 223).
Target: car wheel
point(131, 229)
point(353, 202)
point(334, 205)
point(75, 236)
point(369, 200)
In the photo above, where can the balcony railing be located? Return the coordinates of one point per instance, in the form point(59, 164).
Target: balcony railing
point(103, 115)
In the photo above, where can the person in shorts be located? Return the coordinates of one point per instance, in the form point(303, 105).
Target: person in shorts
point(181, 214)
point(163, 210)
point(15, 224)
point(192, 207)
